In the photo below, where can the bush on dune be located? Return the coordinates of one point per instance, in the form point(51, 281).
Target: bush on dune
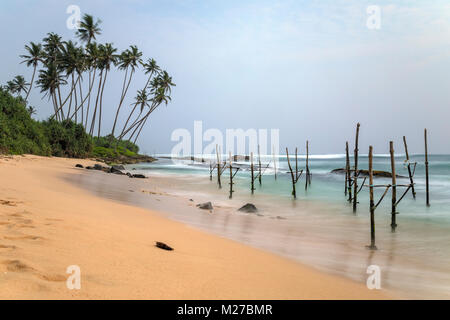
point(20, 133)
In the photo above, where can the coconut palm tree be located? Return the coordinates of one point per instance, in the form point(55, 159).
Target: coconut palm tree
point(31, 110)
point(88, 28)
point(128, 59)
point(92, 55)
point(33, 57)
point(11, 87)
point(49, 80)
point(20, 84)
point(52, 48)
point(150, 67)
point(108, 57)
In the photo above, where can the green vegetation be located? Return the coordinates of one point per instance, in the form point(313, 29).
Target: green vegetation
point(19, 133)
point(73, 77)
point(110, 148)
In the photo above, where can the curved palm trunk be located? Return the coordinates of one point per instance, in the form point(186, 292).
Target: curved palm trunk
point(31, 83)
point(60, 104)
point(91, 84)
point(129, 117)
point(76, 103)
point(121, 101)
point(101, 103)
point(91, 131)
point(55, 106)
point(70, 101)
point(142, 126)
point(82, 103)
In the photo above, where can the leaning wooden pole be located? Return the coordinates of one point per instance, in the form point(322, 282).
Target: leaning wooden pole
point(409, 168)
point(394, 188)
point(348, 186)
point(294, 193)
point(307, 180)
point(274, 162)
point(231, 177)
point(372, 205)
point(218, 167)
point(427, 181)
point(252, 173)
point(259, 165)
point(355, 173)
point(210, 170)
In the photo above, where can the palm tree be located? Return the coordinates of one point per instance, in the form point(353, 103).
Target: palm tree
point(88, 28)
point(49, 80)
point(69, 65)
point(52, 48)
point(150, 68)
point(33, 57)
point(108, 57)
point(31, 110)
point(11, 87)
point(128, 59)
point(141, 100)
point(159, 96)
point(20, 84)
point(92, 55)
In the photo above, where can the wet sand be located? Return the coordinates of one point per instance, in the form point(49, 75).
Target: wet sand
point(48, 224)
point(316, 234)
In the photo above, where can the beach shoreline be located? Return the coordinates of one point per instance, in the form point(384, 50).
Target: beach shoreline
point(48, 224)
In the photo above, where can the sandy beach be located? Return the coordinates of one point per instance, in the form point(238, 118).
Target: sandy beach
point(48, 224)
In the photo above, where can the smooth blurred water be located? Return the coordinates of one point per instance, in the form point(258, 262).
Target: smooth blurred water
point(329, 187)
point(415, 259)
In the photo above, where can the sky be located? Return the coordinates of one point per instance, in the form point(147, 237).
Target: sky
point(311, 69)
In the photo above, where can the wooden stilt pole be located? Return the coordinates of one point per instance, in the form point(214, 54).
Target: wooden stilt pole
point(372, 205)
point(427, 181)
point(210, 170)
point(409, 169)
point(296, 162)
point(231, 177)
point(259, 164)
point(252, 171)
point(348, 186)
point(274, 162)
point(394, 188)
point(294, 193)
point(355, 173)
point(218, 167)
point(307, 180)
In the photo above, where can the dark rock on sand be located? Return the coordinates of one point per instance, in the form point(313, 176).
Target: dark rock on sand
point(117, 169)
point(136, 175)
point(249, 208)
point(163, 246)
point(98, 167)
point(90, 168)
point(205, 206)
point(79, 165)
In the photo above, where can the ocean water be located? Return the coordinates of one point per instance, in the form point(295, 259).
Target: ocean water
point(322, 229)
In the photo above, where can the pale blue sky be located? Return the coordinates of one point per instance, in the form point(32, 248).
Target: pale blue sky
point(309, 68)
